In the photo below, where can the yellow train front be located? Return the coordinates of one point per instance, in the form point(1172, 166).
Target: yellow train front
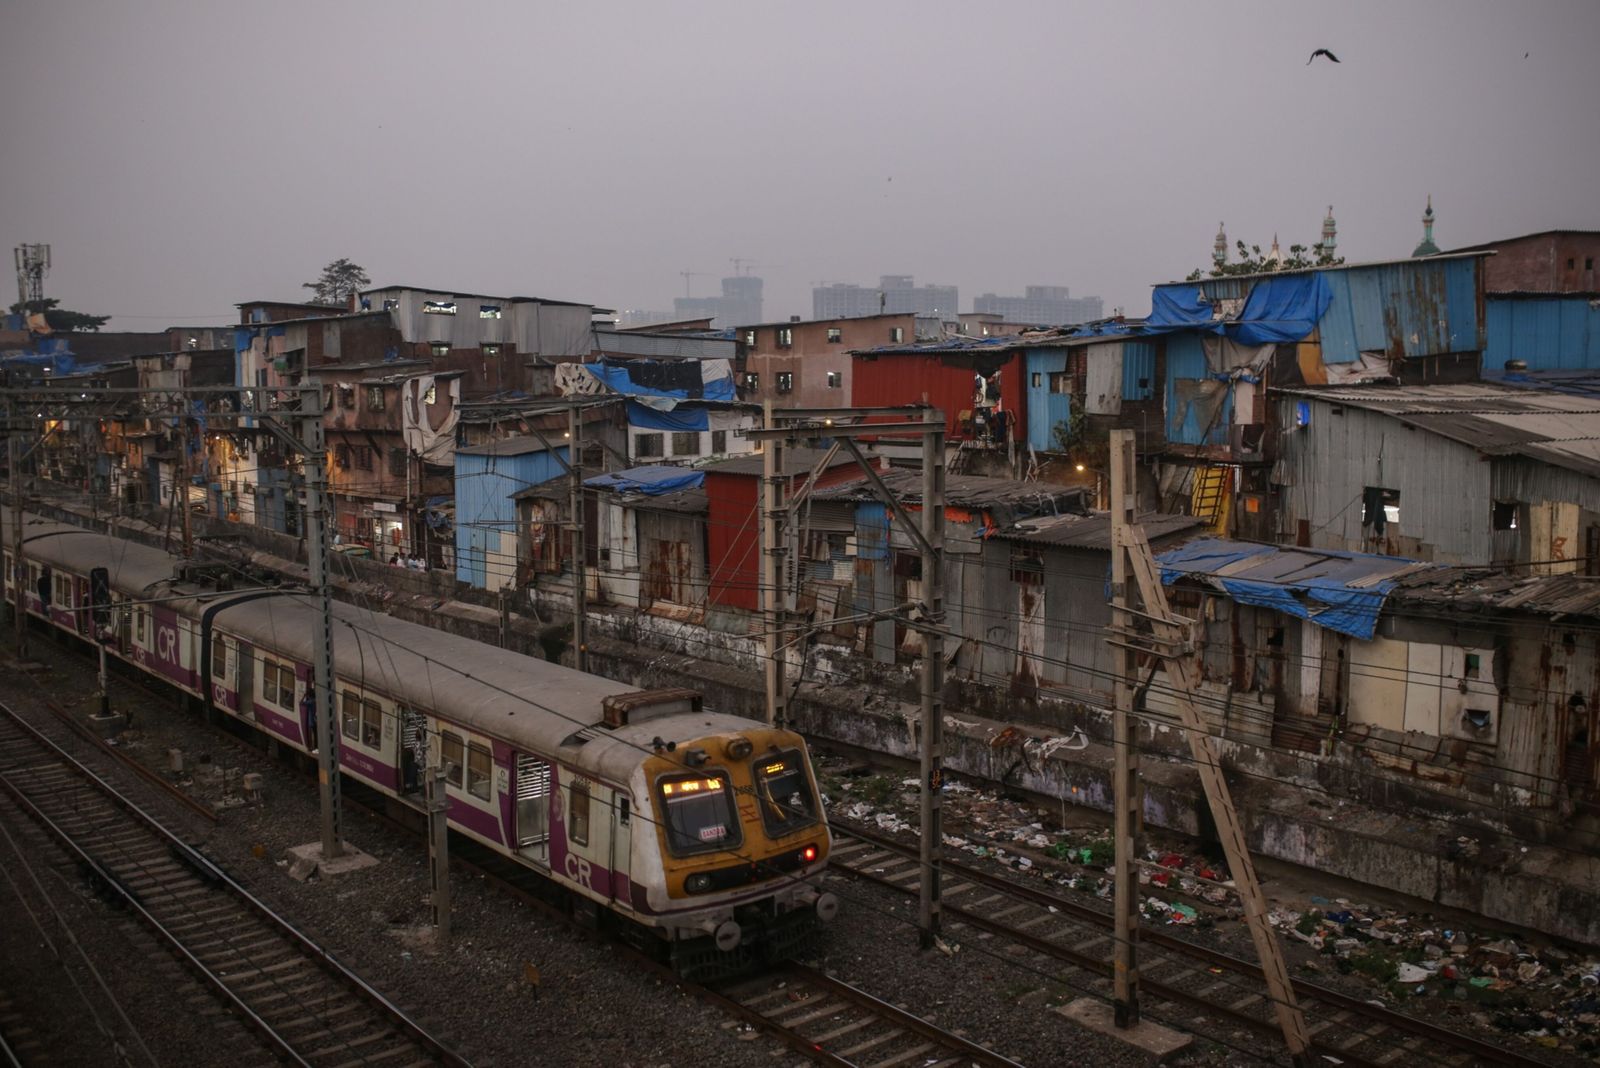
point(725, 869)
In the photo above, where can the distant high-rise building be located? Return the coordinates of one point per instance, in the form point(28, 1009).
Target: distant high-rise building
point(1042, 305)
point(739, 303)
point(896, 294)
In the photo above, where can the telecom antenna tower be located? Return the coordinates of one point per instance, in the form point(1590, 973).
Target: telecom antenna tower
point(33, 263)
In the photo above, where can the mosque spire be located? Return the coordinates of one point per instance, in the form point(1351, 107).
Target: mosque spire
point(1427, 248)
point(1219, 251)
point(1275, 257)
point(1330, 235)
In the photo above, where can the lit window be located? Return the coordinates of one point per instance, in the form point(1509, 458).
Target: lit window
point(835, 335)
point(374, 398)
point(450, 751)
point(439, 348)
point(750, 338)
point(752, 380)
point(480, 769)
point(785, 381)
point(785, 336)
point(686, 443)
point(390, 304)
point(488, 311)
point(438, 307)
point(897, 334)
point(835, 380)
point(648, 445)
point(491, 350)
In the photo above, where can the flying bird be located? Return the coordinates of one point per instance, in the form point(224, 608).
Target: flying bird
point(1322, 52)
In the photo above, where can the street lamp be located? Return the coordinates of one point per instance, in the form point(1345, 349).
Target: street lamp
point(1083, 468)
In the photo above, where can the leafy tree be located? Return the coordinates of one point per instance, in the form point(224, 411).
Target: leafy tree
point(59, 318)
point(339, 280)
point(1253, 261)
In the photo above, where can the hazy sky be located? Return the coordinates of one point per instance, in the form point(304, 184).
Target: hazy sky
point(181, 157)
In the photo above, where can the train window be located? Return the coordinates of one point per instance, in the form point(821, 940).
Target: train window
point(787, 801)
point(622, 811)
point(371, 724)
point(350, 707)
point(219, 657)
point(578, 813)
point(480, 771)
point(285, 686)
point(269, 674)
point(450, 752)
point(700, 814)
point(138, 625)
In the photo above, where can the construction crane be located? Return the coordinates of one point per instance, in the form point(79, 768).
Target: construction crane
point(742, 265)
point(687, 283)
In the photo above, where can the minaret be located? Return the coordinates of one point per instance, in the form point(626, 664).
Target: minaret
point(1427, 248)
point(1219, 251)
point(1275, 257)
point(1330, 236)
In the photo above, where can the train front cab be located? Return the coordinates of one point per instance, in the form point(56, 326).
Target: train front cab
point(740, 826)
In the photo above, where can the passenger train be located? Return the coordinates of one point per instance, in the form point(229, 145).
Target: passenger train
point(699, 832)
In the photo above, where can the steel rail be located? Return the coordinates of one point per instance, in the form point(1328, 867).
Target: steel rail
point(1397, 1021)
point(214, 874)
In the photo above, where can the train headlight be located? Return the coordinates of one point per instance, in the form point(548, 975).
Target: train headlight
point(738, 748)
point(698, 883)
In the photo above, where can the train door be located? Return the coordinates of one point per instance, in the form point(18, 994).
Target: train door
point(413, 749)
point(244, 668)
point(532, 814)
point(621, 846)
point(587, 805)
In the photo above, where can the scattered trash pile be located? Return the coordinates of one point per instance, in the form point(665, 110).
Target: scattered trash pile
point(1549, 995)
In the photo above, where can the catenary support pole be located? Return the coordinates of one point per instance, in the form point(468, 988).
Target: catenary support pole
point(580, 541)
point(317, 519)
point(772, 570)
point(932, 558)
point(1127, 790)
point(19, 565)
point(438, 803)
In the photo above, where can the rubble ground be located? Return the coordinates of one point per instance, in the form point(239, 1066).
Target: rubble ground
point(1444, 965)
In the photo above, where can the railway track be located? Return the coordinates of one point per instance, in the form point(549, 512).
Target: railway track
point(1355, 1032)
point(306, 1007)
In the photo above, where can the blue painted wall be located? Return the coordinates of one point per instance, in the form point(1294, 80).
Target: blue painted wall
point(1138, 370)
point(1045, 409)
point(484, 509)
point(1550, 333)
point(1424, 307)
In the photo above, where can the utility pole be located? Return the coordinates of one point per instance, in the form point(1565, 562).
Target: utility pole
point(438, 803)
point(580, 547)
point(181, 490)
point(19, 567)
point(773, 595)
point(316, 513)
point(1154, 630)
point(1127, 793)
point(932, 675)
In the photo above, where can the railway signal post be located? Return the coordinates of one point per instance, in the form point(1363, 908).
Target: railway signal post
point(439, 850)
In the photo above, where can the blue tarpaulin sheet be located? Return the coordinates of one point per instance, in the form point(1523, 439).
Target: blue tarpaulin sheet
point(653, 481)
point(1314, 584)
point(683, 417)
point(1277, 310)
point(617, 377)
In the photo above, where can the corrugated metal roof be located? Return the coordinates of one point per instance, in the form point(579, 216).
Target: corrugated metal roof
point(795, 462)
point(1557, 428)
point(1094, 531)
point(1484, 590)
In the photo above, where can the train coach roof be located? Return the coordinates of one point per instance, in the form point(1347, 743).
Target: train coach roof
point(134, 568)
point(524, 700)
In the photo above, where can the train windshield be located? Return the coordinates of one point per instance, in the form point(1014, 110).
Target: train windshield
point(787, 801)
point(700, 814)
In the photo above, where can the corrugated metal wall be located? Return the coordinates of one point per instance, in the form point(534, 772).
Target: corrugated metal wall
point(1187, 423)
point(1445, 496)
point(905, 378)
point(733, 539)
point(484, 485)
point(1138, 370)
point(1549, 334)
point(1415, 308)
point(1046, 409)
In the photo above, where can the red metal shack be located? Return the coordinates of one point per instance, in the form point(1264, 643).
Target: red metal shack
point(947, 375)
point(733, 518)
